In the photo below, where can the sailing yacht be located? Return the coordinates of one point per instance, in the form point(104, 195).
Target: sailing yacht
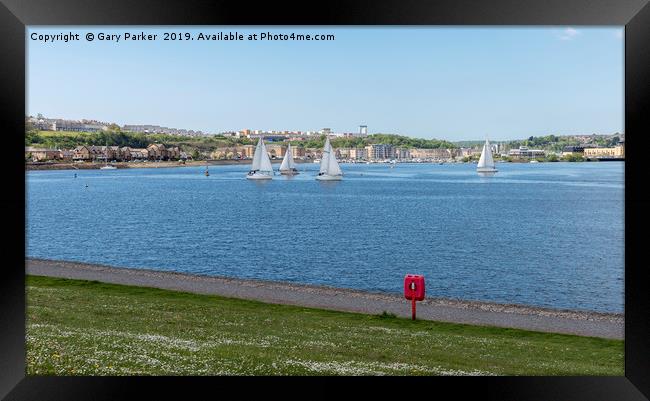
point(261, 168)
point(107, 166)
point(288, 166)
point(329, 167)
point(486, 163)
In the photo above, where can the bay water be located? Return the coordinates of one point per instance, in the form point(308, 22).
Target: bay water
point(545, 234)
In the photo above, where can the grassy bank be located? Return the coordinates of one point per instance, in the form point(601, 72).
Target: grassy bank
point(89, 328)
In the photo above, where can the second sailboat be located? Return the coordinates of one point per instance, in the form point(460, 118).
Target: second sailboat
point(329, 167)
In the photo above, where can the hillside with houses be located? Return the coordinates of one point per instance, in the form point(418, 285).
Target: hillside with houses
point(50, 140)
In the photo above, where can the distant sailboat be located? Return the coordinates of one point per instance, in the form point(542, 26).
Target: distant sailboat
point(486, 163)
point(288, 166)
point(329, 167)
point(261, 168)
point(107, 166)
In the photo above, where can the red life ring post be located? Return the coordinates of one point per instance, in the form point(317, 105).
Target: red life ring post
point(413, 290)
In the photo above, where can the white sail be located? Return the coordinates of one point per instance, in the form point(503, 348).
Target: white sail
point(325, 159)
point(333, 166)
point(287, 163)
point(328, 163)
point(486, 162)
point(265, 161)
point(257, 156)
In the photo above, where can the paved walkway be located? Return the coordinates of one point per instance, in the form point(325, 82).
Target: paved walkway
point(478, 313)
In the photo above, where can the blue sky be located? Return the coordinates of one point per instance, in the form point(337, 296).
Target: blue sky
point(454, 83)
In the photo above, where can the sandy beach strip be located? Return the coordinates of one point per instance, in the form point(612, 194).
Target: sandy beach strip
point(593, 324)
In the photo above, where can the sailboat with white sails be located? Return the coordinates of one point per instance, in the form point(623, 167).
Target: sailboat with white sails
point(329, 167)
point(486, 162)
point(288, 166)
point(261, 168)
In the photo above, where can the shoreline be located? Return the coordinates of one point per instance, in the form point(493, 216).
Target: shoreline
point(34, 166)
point(563, 321)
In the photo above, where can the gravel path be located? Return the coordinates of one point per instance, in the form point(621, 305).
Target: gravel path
point(478, 313)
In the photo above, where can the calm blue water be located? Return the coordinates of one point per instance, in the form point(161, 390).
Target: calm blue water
point(546, 234)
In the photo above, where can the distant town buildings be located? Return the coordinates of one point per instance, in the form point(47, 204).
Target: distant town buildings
point(437, 154)
point(358, 153)
point(59, 124)
point(105, 153)
point(587, 145)
point(573, 151)
point(617, 151)
point(363, 130)
point(524, 153)
point(380, 151)
point(156, 129)
point(38, 154)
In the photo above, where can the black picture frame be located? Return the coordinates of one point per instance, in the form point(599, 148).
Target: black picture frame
point(15, 15)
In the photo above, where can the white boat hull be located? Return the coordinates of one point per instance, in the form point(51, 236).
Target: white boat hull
point(257, 176)
point(486, 170)
point(289, 172)
point(108, 168)
point(326, 177)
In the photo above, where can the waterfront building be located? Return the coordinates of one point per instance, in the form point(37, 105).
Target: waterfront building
point(342, 153)
point(139, 154)
point(246, 151)
point(156, 151)
point(525, 153)
point(380, 151)
point(573, 150)
point(402, 153)
point(82, 153)
point(66, 155)
point(297, 152)
point(39, 154)
point(276, 151)
point(437, 154)
point(617, 151)
point(224, 153)
point(125, 153)
point(358, 154)
point(313, 153)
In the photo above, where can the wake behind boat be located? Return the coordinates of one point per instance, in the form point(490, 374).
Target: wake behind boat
point(288, 166)
point(329, 167)
point(486, 163)
point(261, 168)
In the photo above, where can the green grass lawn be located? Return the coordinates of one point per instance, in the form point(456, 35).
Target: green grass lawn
point(90, 328)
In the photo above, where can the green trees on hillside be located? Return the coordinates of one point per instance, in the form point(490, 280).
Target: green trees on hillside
point(384, 139)
point(115, 137)
point(556, 143)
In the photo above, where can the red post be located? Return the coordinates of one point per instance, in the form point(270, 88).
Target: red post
point(413, 301)
point(413, 308)
point(413, 290)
